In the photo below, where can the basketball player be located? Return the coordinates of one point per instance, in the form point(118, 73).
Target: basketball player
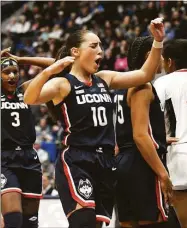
point(172, 91)
point(21, 179)
point(141, 138)
point(85, 169)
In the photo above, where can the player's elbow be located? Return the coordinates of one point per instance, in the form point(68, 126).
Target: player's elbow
point(139, 137)
point(147, 76)
point(28, 99)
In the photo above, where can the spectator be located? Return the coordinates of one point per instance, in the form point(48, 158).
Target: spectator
point(43, 131)
point(48, 188)
point(42, 154)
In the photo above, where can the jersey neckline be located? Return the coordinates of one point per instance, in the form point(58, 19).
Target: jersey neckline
point(86, 83)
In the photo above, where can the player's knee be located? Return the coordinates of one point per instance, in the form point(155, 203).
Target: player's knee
point(13, 219)
point(83, 218)
point(30, 221)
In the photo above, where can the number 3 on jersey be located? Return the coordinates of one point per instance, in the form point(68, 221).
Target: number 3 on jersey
point(99, 116)
point(16, 121)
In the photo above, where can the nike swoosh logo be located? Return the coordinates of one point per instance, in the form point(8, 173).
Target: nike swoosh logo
point(114, 169)
point(77, 87)
point(35, 157)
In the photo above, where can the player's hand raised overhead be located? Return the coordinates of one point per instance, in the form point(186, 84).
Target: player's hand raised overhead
point(59, 65)
point(5, 52)
point(157, 29)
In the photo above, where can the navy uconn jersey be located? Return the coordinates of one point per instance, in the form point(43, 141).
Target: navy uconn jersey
point(156, 128)
point(87, 114)
point(17, 124)
point(123, 127)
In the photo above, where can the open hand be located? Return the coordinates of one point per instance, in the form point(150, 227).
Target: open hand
point(171, 140)
point(59, 65)
point(5, 51)
point(157, 29)
point(166, 187)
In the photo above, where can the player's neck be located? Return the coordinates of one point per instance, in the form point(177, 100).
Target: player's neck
point(6, 92)
point(80, 74)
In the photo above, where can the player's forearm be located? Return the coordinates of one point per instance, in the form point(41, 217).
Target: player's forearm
point(37, 61)
point(150, 66)
point(149, 153)
point(34, 88)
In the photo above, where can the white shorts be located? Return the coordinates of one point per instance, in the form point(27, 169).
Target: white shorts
point(177, 165)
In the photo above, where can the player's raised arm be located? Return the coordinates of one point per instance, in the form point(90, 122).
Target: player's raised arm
point(26, 60)
point(119, 80)
point(37, 93)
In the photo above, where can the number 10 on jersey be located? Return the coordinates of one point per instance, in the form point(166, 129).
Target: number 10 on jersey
point(99, 116)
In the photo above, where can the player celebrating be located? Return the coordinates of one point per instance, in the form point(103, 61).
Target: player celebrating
point(84, 170)
point(21, 178)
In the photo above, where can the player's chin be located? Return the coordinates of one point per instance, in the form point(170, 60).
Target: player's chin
point(92, 71)
point(11, 88)
point(95, 69)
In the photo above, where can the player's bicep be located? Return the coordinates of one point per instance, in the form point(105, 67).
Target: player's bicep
point(54, 90)
point(121, 80)
point(140, 101)
point(48, 93)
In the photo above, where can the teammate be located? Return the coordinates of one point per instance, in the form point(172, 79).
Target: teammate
point(172, 91)
point(21, 178)
point(141, 138)
point(84, 170)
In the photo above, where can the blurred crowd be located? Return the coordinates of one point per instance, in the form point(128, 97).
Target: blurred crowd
point(42, 27)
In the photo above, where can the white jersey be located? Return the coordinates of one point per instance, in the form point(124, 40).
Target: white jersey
point(172, 91)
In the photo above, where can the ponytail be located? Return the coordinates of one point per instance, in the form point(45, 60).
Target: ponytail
point(74, 40)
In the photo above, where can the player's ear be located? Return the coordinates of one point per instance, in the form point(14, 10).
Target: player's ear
point(169, 62)
point(75, 52)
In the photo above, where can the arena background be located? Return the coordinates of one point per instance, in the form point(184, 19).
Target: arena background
point(39, 28)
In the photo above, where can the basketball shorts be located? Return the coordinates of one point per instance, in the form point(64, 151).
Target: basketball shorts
point(138, 191)
point(87, 177)
point(21, 172)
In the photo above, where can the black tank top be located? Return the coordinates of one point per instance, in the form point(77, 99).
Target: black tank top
point(17, 123)
point(87, 114)
point(156, 129)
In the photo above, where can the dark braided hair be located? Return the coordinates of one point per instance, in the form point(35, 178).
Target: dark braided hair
point(74, 40)
point(137, 52)
point(177, 51)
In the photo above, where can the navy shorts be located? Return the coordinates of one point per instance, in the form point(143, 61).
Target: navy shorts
point(86, 177)
point(21, 172)
point(138, 191)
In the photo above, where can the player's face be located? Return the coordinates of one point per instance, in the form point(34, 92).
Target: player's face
point(10, 77)
point(168, 65)
point(90, 53)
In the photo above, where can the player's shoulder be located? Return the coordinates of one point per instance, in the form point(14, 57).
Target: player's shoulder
point(168, 80)
point(59, 82)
